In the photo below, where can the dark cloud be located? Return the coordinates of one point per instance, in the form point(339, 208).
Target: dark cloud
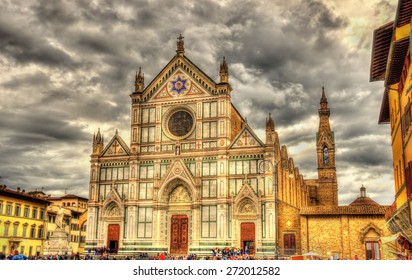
point(68, 68)
point(24, 46)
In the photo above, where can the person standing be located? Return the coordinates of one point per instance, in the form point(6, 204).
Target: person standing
point(18, 256)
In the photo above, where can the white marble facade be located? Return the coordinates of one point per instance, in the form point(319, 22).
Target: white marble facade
point(192, 160)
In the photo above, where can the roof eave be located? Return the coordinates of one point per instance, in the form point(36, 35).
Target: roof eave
point(382, 38)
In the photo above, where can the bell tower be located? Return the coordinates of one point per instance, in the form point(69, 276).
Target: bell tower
point(325, 147)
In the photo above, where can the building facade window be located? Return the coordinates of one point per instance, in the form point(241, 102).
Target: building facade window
point(8, 209)
point(26, 212)
point(34, 213)
point(209, 188)
point(241, 167)
point(209, 130)
point(149, 115)
point(40, 232)
point(372, 251)
point(210, 110)
point(146, 171)
point(209, 168)
point(41, 214)
point(24, 230)
point(114, 173)
point(6, 229)
point(1, 207)
point(148, 134)
point(146, 191)
point(145, 223)
point(209, 221)
point(17, 209)
point(15, 229)
point(33, 231)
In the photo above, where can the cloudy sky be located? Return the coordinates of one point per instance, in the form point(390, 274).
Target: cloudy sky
point(67, 68)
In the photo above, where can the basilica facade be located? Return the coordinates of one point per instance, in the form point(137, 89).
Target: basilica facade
point(195, 176)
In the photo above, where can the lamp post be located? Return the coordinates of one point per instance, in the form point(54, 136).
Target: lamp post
point(264, 167)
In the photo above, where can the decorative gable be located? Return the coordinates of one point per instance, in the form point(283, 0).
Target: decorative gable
point(246, 138)
point(180, 77)
point(112, 205)
point(178, 169)
point(116, 147)
point(179, 84)
point(246, 200)
point(325, 138)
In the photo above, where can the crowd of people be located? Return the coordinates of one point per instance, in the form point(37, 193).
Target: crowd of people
point(104, 253)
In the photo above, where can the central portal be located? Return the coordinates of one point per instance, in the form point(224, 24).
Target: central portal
point(247, 236)
point(113, 236)
point(179, 234)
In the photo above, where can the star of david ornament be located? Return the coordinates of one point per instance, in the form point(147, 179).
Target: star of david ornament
point(179, 85)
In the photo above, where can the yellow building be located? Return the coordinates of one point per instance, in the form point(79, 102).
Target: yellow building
point(23, 222)
point(391, 63)
point(343, 232)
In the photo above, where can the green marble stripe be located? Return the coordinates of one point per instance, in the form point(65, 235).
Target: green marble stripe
point(138, 243)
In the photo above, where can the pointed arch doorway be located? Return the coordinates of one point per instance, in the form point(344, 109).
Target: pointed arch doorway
point(247, 237)
point(179, 234)
point(113, 236)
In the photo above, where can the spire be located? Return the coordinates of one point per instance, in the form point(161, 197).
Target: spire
point(180, 49)
point(224, 72)
point(98, 137)
point(324, 110)
point(270, 130)
point(139, 82)
point(323, 99)
point(270, 124)
point(97, 143)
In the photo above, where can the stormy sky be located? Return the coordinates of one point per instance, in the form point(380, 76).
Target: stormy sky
point(67, 68)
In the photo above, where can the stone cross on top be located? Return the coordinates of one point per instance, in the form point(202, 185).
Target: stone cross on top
point(246, 137)
point(180, 50)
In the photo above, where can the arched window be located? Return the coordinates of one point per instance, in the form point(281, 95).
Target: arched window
point(325, 156)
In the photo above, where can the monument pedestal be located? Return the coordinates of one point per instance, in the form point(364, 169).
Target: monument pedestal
point(58, 243)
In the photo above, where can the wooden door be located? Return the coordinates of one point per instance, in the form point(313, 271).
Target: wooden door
point(289, 240)
point(113, 236)
point(179, 235)
point(247, 236)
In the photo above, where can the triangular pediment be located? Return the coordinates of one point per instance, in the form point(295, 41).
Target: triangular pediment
point(112, 205)
point(178, 169)
point(246, 139)
point(325, 138)
point(113, 196)
point(246, 192)
point(180, 78)
point(116, 147)
point(180, 85)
